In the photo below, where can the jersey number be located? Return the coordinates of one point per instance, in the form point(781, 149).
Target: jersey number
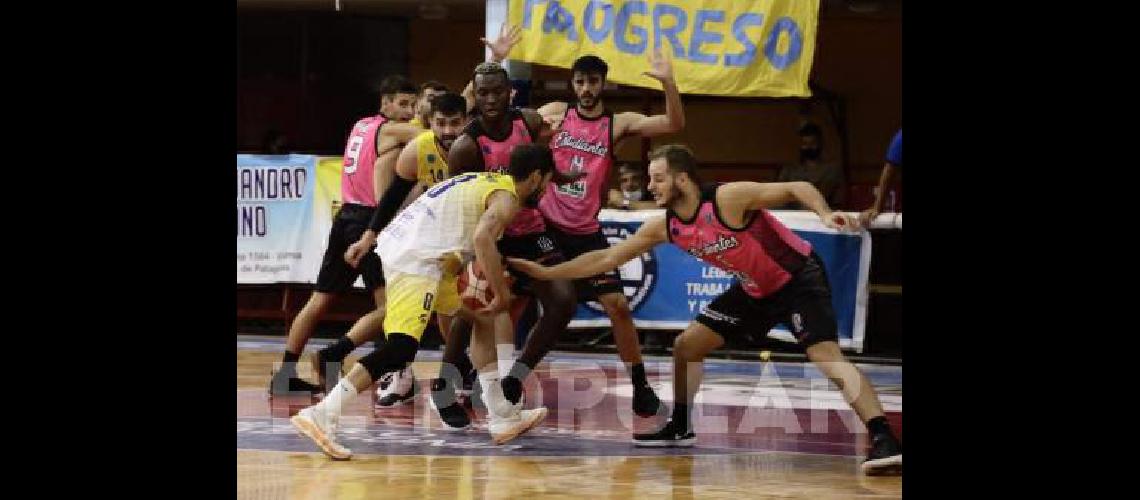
point(439, 189)
point(353, 154)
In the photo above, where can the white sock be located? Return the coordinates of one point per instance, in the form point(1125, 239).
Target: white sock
point(505, 353)
point(338, 396)
point(497, 404)
point(489, 378)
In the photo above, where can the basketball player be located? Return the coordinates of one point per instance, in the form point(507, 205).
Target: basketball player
point(359, 185)
point(423, 250)
point(500, 48)
point(780, 279)
point(390, 140)
point(485, 145)
point(399, 387)
point(428, 90)
point(585, 136)
point(422, 163)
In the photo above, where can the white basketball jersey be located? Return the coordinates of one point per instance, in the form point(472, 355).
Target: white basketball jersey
point(434, 233)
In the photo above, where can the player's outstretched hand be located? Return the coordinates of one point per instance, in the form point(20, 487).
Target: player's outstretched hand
point(840, 221)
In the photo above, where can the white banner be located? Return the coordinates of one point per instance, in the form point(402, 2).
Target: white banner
point(277, 237)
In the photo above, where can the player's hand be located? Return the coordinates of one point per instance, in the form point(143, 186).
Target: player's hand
point(868, 216)
point(531, 268)
point(500, 303)
point(554, 122)
point(506, 40)
point(660, 68)
point(615, 199)
point(356, 252)
point(840, 221)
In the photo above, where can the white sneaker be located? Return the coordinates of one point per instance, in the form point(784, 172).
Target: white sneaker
point(504, 429)
point(401, 389)
point(321, 429)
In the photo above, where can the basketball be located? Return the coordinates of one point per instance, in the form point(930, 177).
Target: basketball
point(474, 288)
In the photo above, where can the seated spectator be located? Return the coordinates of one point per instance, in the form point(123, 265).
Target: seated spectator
point(631, 193)
point(827, 177)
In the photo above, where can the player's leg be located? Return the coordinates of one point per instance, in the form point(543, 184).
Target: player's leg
point(558, 299)
point(443, 399)
point(492, 348)
point(445, 388)
point(410, 300)
point(689, 351)
point(457, 355)
point(811, 318)
point(645, 401)
point(607, 289)
point(728, 314)
point(397, 388)
point(335, 277)
point(328, 361)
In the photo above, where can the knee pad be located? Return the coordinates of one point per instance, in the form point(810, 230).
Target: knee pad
point(397, 352)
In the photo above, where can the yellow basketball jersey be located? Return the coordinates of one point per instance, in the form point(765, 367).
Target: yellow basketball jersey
point(431, 163)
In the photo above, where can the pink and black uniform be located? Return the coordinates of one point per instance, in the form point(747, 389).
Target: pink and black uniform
point(358, 197)
point(779, 278)
point(525, 237)
point(582, 144)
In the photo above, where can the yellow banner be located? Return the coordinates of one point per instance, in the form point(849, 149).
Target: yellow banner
point(326, 196)
point(718, 47)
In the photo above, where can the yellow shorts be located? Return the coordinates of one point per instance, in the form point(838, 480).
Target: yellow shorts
point(411, 298)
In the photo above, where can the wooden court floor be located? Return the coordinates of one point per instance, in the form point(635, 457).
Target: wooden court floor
point(767, 432)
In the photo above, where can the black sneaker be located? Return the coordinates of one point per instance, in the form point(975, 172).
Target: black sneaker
point(668, 436)
point(446, 406)
point(645, 402)
point(885, 457)
point(287, 383)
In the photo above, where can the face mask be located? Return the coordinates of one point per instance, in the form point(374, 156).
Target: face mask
point(631, 195)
